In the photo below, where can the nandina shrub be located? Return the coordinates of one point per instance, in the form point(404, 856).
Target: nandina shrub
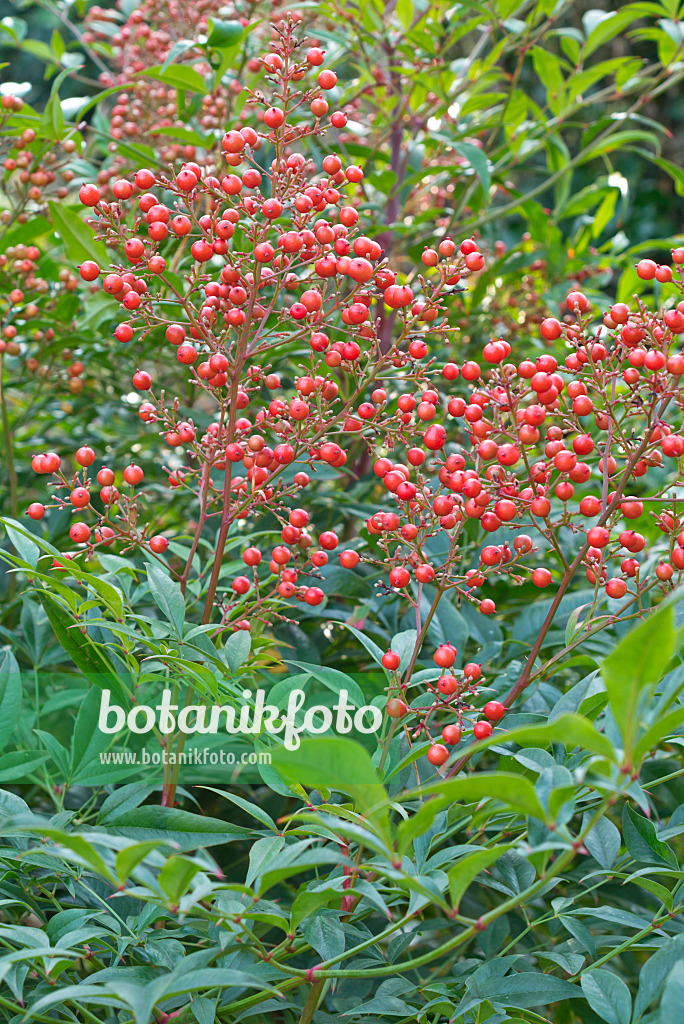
point(356, 887)
point(546, 882)
point(422, 95)
point(495, 472)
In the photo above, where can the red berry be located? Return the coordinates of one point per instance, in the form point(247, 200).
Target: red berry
point(494, 710)
point(396, 708)
point(550, 329)
point(80, 497)
point(133, 474)
point(241, 585)
point(399, 577)
point(80, 533)
point(85, 456)
point(542, 578)
point(445, 656)
point(391, 661)
point(274, 117)
point(438, 754)
point(89, 195)
point(577, 300)
point(451, 734)
point(89, 270)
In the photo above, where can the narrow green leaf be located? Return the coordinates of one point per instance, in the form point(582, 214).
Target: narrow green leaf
point(634, 667)
point(477, 159)
point(167, 595)
point(10, 695)
point(468, 868)
point(77, 237)
point(607, 995)
point(341, 765)
point(514, 791)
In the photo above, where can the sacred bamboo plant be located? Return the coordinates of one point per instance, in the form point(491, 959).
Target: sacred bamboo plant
point(262, 295)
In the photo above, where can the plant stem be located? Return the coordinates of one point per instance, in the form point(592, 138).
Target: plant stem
point(311, 1004)
point(9, 449)
point(226, 517)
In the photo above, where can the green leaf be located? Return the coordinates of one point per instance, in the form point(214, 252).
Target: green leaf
point(172, 825)
point(21, 541)
point(607, 995)
point(603, 842)
point(176, 876)
point(307, 903)
point(668, 725)
point(128, 859)
point(341, 765)
point(167, 595)
point(179, 76)
point(87, 741)
point(642, 842)
point(654, 973)
point(569, 729)
point(83, 651)
point(370, 645)
point(404, 645)
point(85, 852)
point(111, 595)
point(203, 1009)
point(18, 765)
point(223, 33)
point(468, 868)
point(334, 680)
point(513, 790)
point(673, 996)
point(256, 812)
point(655, 888)
point(548, 67)
point(477, 159)
point(10, 695)
point(404, 11)
point(527, 989)
point(77, 237)
point(324, 933)
point(178, 48)
point(605, 25)
point(633, 669)
point(236, 649)
point(11, 804)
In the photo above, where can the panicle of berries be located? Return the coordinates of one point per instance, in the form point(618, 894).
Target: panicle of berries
point(24, 294)
point(558, 450)
point(33, 169)
point(36, 169)
point(261, 279)
point(146, 40)
point(266, 274)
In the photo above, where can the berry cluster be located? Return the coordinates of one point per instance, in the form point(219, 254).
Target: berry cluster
point(260, 278)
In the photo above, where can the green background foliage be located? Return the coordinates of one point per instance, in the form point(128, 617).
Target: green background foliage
point(346, 880)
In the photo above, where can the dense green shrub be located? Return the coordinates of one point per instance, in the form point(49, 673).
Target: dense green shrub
point(369, 357)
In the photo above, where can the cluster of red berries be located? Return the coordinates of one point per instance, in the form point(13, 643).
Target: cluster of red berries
point(452, 693)
point(35, 170)
point(488, 463)
point(118, 517)
point(27, 301)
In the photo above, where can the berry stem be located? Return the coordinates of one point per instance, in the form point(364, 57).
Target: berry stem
point(9, 449)
point(226, 517)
